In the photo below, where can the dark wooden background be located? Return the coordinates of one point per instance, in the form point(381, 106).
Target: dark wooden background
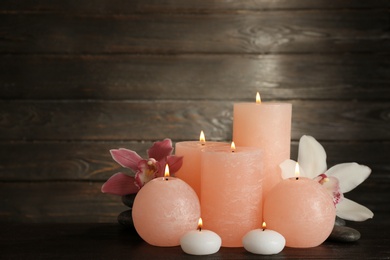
point(78, 78)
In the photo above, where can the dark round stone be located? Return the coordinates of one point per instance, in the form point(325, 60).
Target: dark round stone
point(344, 234)
point(339, 221)
point(125, 219)
point(128, 200)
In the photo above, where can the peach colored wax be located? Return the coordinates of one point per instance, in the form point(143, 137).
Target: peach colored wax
point(164, 210)
point(267, 126)
point(301, 210)
point(190, 170)
point(231, 192)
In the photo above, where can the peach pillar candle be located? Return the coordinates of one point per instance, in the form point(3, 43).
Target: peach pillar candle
point(266, 125)
point(190, 170)
point(231, 192)
point(302, 210)
point(164, 210)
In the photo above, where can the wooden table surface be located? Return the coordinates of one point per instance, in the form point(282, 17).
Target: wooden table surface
point(112, 241)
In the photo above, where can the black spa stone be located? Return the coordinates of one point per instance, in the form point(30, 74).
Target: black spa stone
point(344, 234)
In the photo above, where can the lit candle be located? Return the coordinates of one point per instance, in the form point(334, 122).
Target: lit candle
point(231, 191)
point(190, 170)
point(266, 125)
point(164, 210)
point(263, 241)
point(300, 209)
point(200, 241)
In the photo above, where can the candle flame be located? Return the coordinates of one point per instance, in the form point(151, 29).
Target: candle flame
point(166, 174)
point(200, 224)
point(297, 171)
point(233, 147)
point(202, 138)
point(263, 226)
point(258, 99)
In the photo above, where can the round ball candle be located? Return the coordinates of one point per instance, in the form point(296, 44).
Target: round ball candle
point(164, 210)
point(231, 192)
point(302, 210)
point(263, 241)
point(190, 170)
point(266, 125)
point(200, 241)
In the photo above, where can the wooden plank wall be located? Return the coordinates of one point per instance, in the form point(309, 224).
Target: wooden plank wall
point(78, 78)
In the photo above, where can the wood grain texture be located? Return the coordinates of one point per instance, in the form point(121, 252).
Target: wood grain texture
point(199, 6)
point(60, 202)
point(195, 77)
point(81, 202)
point(110, 241)
point(181, 120)
point(78, 78)
point(82, 161)
point(263, 32)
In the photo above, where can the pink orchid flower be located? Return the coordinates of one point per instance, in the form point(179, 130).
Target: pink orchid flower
point(145, 169)
point(338, 180)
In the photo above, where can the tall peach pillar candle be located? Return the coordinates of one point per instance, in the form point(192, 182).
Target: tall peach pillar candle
point(302, 210)
point(266, 125)
point(231, 192)
point(190, 170)
point(164, 210)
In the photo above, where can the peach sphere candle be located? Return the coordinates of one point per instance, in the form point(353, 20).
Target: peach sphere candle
point(231, 192)
point(164, 210)
point(266, 125)
point(190, 170)
point(302, 210)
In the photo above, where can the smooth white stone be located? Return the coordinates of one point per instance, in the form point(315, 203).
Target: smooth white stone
point(204, 242)
point(264, 242)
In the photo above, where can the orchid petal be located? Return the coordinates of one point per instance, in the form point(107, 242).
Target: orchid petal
point(288, 168)
point(120, 184)
point(174, 162)
point(126, 158)
point(148, 170)
point(350, 175)
point(161, 167)
point(311, 156)
point(161, 149)
point(332, 185)
point(350, 210)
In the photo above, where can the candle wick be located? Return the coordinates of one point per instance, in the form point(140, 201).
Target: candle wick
point(166, 179)
point(263, 229)
point(297, 178)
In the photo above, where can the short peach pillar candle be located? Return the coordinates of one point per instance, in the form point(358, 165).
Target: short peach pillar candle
point(266, 125)
point(231, 192)
point(164, 210)
point(190, 170)
point(302, 210)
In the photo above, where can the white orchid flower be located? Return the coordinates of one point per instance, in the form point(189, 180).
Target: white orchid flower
point(339, 179)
